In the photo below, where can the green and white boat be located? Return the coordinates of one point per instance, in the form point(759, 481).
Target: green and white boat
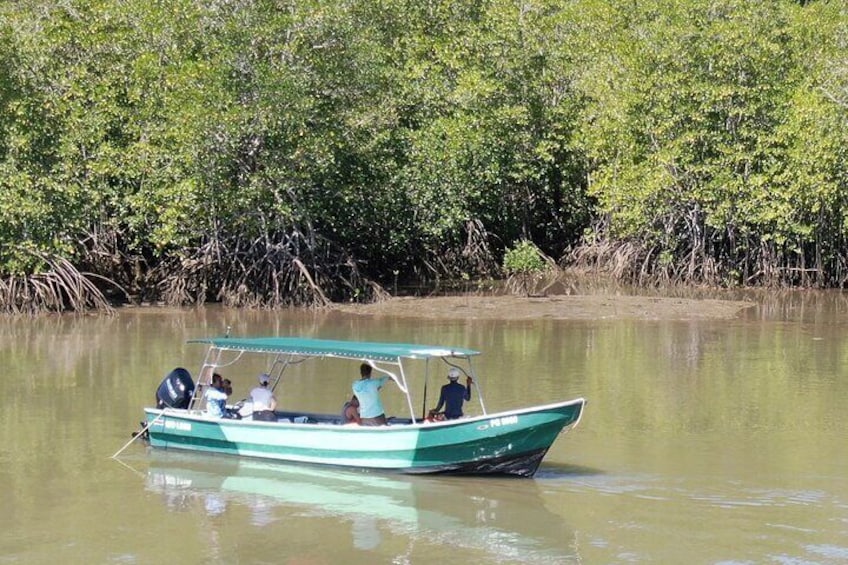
point(505, 443)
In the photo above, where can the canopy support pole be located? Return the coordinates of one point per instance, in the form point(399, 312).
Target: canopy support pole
point(424, 400)
point(477, 386)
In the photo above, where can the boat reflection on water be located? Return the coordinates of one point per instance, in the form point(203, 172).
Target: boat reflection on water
point(505, 517)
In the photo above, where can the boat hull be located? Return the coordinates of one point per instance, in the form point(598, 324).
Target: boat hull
point(507, 443)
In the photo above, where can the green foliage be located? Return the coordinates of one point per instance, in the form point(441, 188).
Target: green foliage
point(411, 137)
point(523, 260)
point(689, 126)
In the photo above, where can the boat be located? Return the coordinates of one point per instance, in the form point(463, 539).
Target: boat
point(511, 442)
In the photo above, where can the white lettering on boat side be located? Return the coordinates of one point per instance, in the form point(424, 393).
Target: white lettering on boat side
point(176, 425)
point(499, 422)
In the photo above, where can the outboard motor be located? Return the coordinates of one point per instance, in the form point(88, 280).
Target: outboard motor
point(175, 390)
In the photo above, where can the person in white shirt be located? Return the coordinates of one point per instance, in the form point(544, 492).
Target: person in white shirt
point(264, 401)
point(216, 398)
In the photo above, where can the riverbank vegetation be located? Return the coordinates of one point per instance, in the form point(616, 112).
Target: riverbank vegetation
point(267, 153)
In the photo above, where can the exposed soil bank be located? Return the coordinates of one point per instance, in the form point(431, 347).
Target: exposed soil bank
point(570, 307)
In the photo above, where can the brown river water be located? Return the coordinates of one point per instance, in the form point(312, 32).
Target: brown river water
point(704, 441)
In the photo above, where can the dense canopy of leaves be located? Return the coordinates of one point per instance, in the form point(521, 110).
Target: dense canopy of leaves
point(303, 151)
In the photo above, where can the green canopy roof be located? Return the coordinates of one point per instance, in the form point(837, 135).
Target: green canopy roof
point(336, 348)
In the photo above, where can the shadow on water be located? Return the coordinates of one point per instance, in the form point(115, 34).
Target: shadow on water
point(505, 517)
point(552, 471)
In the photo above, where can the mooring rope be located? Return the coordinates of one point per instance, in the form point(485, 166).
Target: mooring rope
point(139, 434)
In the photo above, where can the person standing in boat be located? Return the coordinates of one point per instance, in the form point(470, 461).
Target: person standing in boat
point(264, 401)
point(367, 391)
point(453, 395)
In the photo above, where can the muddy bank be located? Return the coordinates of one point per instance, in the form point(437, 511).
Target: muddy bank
point(571, 307)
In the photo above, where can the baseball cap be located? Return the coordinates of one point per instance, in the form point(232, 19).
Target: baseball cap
point(264, 379)
point(454, 374)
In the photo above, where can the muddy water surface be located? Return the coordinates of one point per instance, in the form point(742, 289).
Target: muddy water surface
point(707, 439)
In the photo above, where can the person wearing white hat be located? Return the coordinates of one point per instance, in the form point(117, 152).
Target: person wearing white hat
point(453, 395)
point(264, 401)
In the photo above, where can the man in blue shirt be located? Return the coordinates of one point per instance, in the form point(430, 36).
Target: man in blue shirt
point(453, 395)
point(367, 390)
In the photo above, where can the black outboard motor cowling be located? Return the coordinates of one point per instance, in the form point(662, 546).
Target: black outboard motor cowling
point(175, 390)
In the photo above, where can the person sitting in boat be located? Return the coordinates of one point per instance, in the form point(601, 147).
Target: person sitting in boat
point(232, 413)
point(350, 411)
point(367, 391)
point(452, 396)
point(216, 398)
point(264, 402)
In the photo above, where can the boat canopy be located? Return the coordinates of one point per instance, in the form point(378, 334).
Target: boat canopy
point(335, 348)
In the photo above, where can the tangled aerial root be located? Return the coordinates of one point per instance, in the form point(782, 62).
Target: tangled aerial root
point(60, 287)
